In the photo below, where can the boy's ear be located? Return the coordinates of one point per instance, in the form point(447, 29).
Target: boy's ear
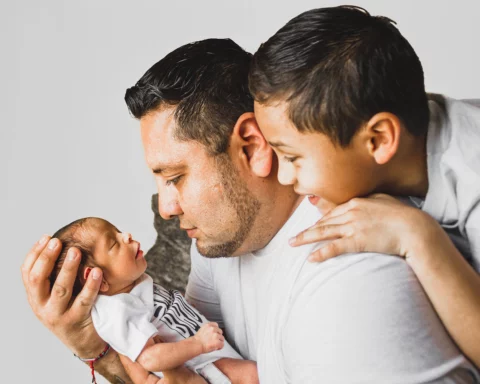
point(382, 136)
point(248, 143)
point(86, 271)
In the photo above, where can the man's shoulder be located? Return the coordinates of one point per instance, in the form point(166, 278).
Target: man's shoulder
point(362, 307)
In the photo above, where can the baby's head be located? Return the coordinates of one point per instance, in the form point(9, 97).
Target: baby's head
point(101, 245)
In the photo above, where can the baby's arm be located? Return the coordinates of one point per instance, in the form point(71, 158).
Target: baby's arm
point(164, 356)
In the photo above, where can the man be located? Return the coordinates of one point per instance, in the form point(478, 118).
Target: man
point(361, 318)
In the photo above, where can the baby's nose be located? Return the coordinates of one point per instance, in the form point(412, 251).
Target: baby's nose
point(127, 237)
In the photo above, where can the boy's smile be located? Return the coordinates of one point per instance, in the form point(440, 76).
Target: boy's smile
point(312, 163)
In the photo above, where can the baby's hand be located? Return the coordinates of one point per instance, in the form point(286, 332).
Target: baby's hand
point(210, 337)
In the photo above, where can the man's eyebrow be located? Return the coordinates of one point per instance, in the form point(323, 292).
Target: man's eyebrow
point(277, 144)
point(167, 168)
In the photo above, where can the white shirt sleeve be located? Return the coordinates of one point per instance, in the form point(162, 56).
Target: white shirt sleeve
point(368, 321)
point(200, 292)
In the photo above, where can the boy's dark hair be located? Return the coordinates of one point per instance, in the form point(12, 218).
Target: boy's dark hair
point(207, 82)
point(69, 236)
point(336, 68)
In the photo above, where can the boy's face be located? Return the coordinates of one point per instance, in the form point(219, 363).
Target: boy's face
point(117, 254)
point(312, 163)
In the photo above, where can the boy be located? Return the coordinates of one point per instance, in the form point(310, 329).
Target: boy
point(131, 309)
point(340, 97)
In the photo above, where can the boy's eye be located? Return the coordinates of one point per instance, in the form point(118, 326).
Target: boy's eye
point(290, 159)
point(173, 181)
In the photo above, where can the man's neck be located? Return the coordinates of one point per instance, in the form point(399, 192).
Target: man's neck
point(272, 216)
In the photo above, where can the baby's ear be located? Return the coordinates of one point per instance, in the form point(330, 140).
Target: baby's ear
point(85, 273)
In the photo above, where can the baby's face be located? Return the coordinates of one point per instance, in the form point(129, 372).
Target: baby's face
point(117, 254)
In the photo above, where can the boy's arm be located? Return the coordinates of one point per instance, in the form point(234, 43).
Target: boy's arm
point(452, 285)
point(165, 356)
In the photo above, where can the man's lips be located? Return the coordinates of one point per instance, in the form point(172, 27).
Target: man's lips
point(190, 231)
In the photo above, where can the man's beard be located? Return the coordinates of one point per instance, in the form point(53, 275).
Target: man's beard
point(241, 200)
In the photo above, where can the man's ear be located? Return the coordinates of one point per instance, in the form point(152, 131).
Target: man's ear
point(86, 271)
point(249, 144)
point(381, 135)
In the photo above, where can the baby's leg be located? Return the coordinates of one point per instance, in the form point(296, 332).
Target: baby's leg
point(238, 371)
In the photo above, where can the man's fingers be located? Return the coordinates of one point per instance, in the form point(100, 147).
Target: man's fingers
point(62, 289)
point(137, 373)
point(83, 304)
point(37, 279)
point(317, 233)
point(32, 256)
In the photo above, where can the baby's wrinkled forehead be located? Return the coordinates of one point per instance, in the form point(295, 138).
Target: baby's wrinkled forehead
point(94, 229)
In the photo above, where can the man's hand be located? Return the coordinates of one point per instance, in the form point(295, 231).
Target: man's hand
point(72, 324)
point(379, 223)
point(210, 337)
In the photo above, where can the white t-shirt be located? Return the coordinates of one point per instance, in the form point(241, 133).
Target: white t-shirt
point(126, 321)
point(357, 318)
point(453, 160)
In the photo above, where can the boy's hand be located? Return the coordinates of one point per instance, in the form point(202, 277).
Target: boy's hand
point(71, 324)
point(379, 223)
point(210, 337)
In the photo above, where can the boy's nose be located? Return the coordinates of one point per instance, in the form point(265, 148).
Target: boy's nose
point(127, 237)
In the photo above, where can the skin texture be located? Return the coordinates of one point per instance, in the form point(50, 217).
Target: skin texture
point(197, 199)
point(349, 185)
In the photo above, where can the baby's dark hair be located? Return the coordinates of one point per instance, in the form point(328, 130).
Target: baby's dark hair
point(71, 236)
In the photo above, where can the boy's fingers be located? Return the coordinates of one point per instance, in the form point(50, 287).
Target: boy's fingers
point(83, 304)
point(62, 289)
point(316, 234)
point(37, 283)
point(332, 249)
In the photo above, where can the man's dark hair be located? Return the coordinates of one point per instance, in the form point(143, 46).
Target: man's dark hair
point(207, 82)
point(336, 68)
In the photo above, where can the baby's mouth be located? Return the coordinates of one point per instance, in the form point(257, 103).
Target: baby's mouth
point(139, 252)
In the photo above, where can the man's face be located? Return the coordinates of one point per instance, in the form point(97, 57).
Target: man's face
point(312, 163)
point(205, 192)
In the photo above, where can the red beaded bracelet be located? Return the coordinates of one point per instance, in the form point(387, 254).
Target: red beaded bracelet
point(94, 360)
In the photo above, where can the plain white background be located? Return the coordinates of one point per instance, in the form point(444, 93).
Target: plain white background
point(68, 147)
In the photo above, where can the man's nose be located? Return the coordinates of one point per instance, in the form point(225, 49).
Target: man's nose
point(168, 206)
point(286, 174)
